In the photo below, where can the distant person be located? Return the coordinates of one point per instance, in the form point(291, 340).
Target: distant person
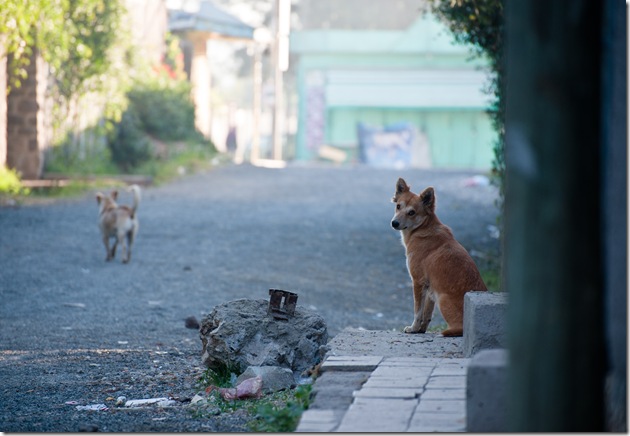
point(230, 140)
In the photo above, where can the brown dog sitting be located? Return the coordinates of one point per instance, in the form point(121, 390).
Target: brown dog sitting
point(441, 269)
point(118, 222)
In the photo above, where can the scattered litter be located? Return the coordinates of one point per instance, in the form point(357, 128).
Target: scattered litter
point(71, 403)
point(159, 419)
point(96, 407)
point(379, 315)
point(120, 401)
point(494, 231)
point(160, 402)
point(123, 342)
point(477, 180)
point(77, 305)
point(248, 388)
point(197, 399)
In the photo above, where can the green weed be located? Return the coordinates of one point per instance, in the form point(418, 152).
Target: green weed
point(272, 417)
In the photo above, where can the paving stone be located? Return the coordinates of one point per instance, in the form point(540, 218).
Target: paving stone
point(318, 420)
point(428, 360)
point(399, 372)
point(387, 393)
point(410, 361)
point(365, 415)
point(389, 382)
point(444, 394)
point(450, 370)
point(350, 363)
point(442, 406)
point(447, 381)
point(432, 422)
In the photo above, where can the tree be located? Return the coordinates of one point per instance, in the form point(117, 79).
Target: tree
point(479, 23)
point(73, 36)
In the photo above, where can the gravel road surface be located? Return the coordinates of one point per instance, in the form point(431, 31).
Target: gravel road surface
point(76, 330)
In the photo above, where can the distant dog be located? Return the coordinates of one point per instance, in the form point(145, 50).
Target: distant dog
point(440, 267)
point(118, 222)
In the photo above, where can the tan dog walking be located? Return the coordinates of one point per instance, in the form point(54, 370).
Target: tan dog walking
point(441, 269)
point(118, 222)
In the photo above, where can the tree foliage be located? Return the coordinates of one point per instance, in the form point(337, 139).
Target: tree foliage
point(73, 37)
point(479, 23)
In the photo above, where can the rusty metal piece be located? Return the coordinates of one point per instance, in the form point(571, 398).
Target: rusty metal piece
point(279, 309)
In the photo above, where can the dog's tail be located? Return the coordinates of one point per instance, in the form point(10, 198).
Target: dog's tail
point(135, 189)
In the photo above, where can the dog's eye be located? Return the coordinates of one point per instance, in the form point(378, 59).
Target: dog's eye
point(398, 207)
point(411, 212)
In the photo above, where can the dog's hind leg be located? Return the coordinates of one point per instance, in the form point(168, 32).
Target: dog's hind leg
point(452, 309)
point(423, 305)
point(122, 237)
point(130, 237)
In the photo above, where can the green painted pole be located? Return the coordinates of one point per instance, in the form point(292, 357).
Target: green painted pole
point(553, 243)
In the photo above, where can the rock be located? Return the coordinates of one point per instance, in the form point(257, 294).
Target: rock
point(240, 333)
point(191, 323)
point(274, 378)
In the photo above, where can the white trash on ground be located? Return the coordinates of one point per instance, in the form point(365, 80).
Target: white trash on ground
point(96, 407)
point(160, 402)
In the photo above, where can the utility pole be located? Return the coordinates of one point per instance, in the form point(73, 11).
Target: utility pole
point(282, 14)
point(553, 234)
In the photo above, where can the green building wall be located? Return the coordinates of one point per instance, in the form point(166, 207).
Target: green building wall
point(459, 135)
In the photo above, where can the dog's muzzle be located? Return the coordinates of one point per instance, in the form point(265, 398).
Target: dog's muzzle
point(395, 224)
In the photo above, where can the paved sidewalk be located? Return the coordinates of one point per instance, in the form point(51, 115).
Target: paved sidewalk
point(397, 393)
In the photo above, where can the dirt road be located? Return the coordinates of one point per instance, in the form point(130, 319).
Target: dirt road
point(76, 329)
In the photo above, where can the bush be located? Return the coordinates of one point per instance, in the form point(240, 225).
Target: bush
point(10, 182)
point(129, 146)
point(165, 110)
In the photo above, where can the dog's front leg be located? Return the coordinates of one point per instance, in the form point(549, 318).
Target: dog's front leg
point(420, 300)
point(107, 250)
point(427, 308)
point(113, 252)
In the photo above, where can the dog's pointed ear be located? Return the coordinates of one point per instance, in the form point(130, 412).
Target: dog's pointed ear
point(401, 187)
point(114, 195)
point(99, 198)
point(428, 199)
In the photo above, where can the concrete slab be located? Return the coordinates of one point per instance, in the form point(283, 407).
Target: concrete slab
point(374, 415)
point(350, 363)
point(388, 393)
point(484, 321)
point(374, 382)
point(444, 394)
point(486, 393)
point(442, 406)
point(431, 422)
point(447, 381)
point(318, 420)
